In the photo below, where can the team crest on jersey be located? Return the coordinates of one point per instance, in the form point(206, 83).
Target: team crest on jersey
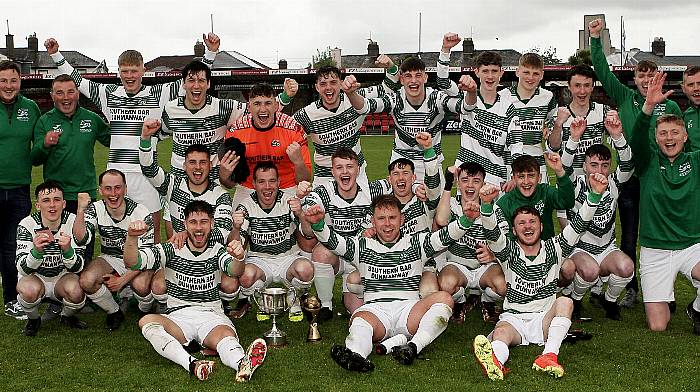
point(685, 169)
point(57, 128)
point(85, 126)
point(539, 206)
point(275, 143)
point(22, 114)
point(689, 124)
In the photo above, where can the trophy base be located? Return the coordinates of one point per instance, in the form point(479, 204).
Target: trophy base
point(275, 340)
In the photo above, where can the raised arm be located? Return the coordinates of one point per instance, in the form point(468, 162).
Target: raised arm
point(365, 105)
point(149, 167)
point(578, 225)
point(555, 137)
point(578, 127)
point(437, 241)
point(562, 197)
point(443, 212)
point(625, 164)
point(639, 139)
point(615, 89)
point(345, 247)
point(85, 220)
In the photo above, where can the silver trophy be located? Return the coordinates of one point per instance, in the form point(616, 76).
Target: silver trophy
point(274, 301)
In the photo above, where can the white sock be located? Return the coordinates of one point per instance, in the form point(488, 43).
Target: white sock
point(696, 303)
point(166, 345)
point(396, 340)
point(501, 351)
point(458, 296)
point(230, 351)
point(597, 287)
point(557, 332)
point(580, 287)
point(300, 285)
point(70, 308)
point(258, 284)
point(229, 296)
point(324, 280)
point(616, 285)
point(103, 298)
point(360, 338)
point(31, 309)
point(160, 298)
point(145, 302)
point(431, 325)
point(488, 295)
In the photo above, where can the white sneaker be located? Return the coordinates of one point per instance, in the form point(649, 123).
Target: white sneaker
point(254, 357)
point(14, 309)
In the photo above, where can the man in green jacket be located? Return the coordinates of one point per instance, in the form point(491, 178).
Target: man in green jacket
point(64, 142)
point(669, 233)
point(629, 102)
point(691, 88)
point(17, 118)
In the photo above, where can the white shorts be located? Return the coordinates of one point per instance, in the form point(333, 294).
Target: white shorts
point(528, 326)
point(50, 284)
point(196, 322)
point(598, 258)
point(141, 191)
point(116, 264)
point(658, 269)
point(393, 315)
point(473, 276)
point(274, 268)
point(242, 192)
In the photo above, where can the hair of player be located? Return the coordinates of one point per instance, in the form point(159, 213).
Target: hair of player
point(9, 64)
point(199, 206)
point(412, 64)
point(47, 186)
point(62, 78)
point(113, 172)
point(584, 70)
point(690, 71)
point(525, 164)
point(670, 118)
point(130, 57)
point(401, 163)
point(645, 66)
point(197, 147)
point(385, 201)
point(472, 169)
point(264, 166)
point(488, 58)
point(599, 151)
point(345, 153)
point(531, 60)
point(527, 210)
point(327, 71)
point(261, 90)
point(195, 67)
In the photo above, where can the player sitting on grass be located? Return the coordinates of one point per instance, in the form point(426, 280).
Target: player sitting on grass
point(193, 273)
point(532, 311)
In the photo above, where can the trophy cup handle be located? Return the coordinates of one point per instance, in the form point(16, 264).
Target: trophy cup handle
point(293, 291)
point(257, 297)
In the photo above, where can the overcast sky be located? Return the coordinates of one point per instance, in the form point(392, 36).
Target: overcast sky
point(268, 30)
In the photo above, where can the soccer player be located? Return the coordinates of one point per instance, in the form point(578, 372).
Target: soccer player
point(532, 312)
point(126, 107)
point(596, 254)
point(415, 108)
point(469, 264)
point(18, 115)
point(268, 135)
point(106, 274)
point(48, 259)
point(193, 274)
point(489, 125)
point(691, 88)
point(534, 106)
point(346, 201)
point(629, 102)
point(267, 221)
point(390, 266)
point(331, 122)
point(670, 226)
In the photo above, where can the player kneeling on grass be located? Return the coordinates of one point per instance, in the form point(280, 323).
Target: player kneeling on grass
point(267, 220)
point(48, 259)
point(390, 266)
point(532, 311)
point(193, 275)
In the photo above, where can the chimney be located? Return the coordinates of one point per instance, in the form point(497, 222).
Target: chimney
point(468, 47)
point(32, 43)
point(10, 45)
point(373, 49)
point(282, 64)
point(335, 55)
point(199, 49)
point(658, 47)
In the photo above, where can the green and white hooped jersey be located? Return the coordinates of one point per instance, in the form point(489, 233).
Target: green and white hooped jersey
point(52, 261)
point(463, 251)
point(113, 233)
point(418, 215)
point(533, 114)
point(595, 133)
point(191, 278)
point(531, 285)
point(205, 126)
point(125, 112)
point(176, 191)
point(269, 232)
